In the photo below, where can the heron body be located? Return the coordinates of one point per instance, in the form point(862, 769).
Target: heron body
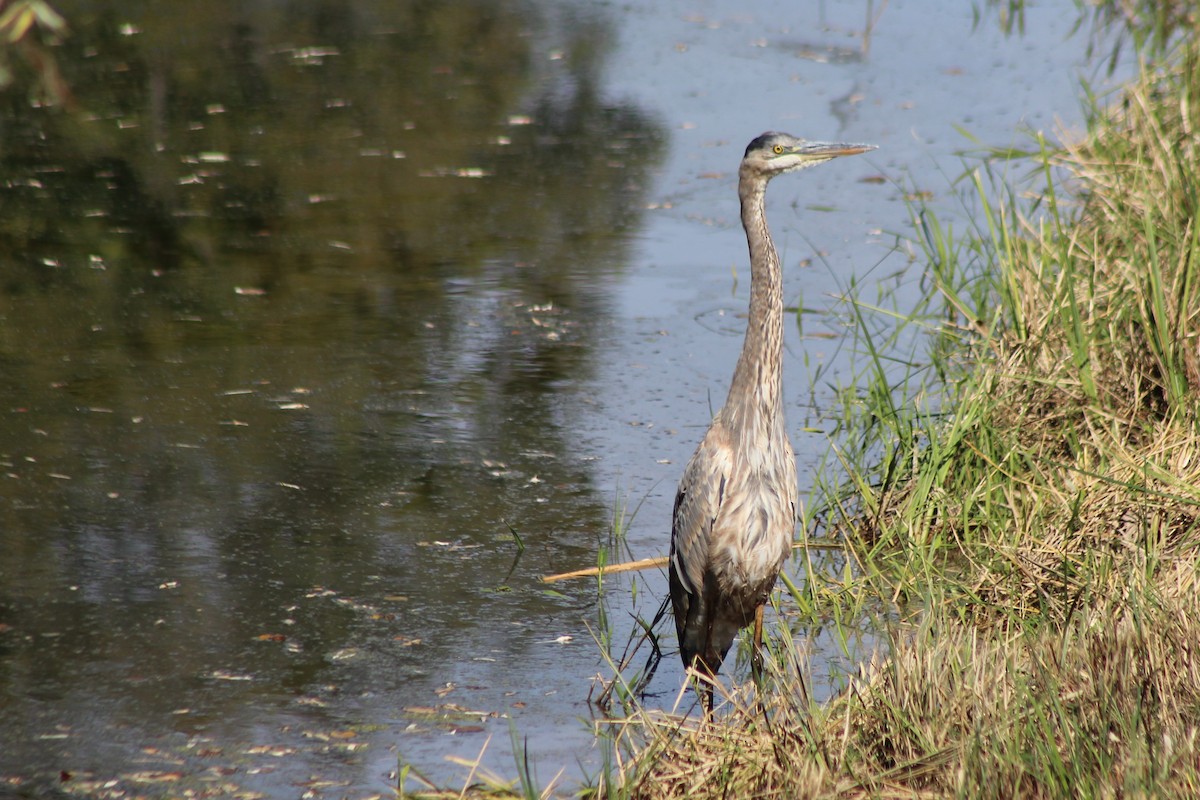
point(735, 510)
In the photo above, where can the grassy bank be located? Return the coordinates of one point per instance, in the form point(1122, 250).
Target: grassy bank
point(1022, 517)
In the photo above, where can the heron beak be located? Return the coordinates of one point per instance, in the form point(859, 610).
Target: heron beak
point(820, 151)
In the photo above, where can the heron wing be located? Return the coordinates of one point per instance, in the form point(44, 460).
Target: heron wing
point(697, 505)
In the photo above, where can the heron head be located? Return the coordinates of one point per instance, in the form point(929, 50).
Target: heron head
point(776, 153)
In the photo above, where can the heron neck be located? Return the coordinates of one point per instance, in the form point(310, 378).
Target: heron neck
point(755, 395)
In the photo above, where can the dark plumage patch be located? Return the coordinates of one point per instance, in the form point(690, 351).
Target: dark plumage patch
point(760, 142)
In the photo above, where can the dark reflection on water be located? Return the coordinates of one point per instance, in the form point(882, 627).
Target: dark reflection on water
point(297, 308)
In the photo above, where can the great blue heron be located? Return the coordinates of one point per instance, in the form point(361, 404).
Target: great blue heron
point(735, 511)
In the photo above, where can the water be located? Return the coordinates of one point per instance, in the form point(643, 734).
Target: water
point(307, 309)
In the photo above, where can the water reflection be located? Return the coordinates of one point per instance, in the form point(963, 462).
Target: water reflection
point(297, 307)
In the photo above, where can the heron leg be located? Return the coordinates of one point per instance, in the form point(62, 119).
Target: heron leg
point(756, 658)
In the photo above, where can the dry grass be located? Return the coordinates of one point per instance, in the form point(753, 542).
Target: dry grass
point(1104, 706)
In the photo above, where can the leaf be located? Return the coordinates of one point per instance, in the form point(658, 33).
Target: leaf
point(10, 14)
point(21, 25)
point(47, 17)
point(152, 776)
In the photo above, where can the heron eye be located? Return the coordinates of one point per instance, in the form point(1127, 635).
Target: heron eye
point(778, 149)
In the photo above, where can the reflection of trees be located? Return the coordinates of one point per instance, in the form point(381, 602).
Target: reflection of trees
point(429, 278)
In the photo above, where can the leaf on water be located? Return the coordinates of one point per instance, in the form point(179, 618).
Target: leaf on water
point(355, 605)
point(454, 708)
point(276, 750)
point(317, 783)
point(152, 776)
point(420, 711)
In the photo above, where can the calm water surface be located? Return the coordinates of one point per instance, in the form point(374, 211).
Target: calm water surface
point(327, 329)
